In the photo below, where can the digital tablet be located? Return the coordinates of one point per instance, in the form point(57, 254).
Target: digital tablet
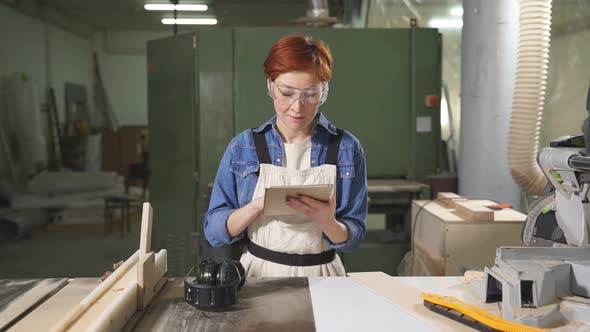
point(275, 198)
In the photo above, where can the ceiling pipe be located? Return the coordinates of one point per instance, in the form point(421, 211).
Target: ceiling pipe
point(318, 8)
point(317, 14)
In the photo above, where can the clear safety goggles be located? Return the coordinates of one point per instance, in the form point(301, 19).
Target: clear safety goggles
point(285, 95)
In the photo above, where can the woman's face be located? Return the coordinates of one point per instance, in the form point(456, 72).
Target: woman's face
point(296, 98)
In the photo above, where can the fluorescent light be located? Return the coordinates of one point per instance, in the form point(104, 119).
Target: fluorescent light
point(199, 8)
point(190, 21)
point(445, 23)
point(457, 11)
point(169, 6)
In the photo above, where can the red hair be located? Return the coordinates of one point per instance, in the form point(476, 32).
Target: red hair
point(298, 53)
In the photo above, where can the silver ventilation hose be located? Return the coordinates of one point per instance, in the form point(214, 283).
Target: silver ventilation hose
point(529, 95)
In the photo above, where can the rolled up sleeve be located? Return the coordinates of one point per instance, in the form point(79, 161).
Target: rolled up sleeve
point(353, 213)
point(224, 201)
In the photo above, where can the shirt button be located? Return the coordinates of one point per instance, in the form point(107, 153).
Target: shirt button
point(278, 160)
point(347, 173)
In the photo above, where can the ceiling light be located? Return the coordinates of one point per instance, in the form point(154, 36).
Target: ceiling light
point(457, 11)
point(445, 23)
point(190, 21)
point(169, 6)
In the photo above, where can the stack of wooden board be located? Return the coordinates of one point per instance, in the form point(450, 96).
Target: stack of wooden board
point(472, 210)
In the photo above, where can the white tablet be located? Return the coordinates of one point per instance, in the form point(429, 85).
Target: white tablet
point(275, 198)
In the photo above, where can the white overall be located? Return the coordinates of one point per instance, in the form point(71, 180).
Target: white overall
point(290, 234)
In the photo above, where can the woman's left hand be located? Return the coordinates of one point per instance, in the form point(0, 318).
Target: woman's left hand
point(322, 213)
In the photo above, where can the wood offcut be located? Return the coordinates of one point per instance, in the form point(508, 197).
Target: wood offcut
point(449, 200)
point(472, 211)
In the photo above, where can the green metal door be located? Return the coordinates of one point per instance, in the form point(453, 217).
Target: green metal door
point(216, 88)
point(173, 129)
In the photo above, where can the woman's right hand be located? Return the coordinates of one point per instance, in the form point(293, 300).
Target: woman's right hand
point(239, 220)
point(258, 204)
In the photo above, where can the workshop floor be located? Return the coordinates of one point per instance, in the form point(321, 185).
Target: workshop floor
point(67, 253)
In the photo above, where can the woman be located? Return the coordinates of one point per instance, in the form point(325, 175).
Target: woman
point(297, 146)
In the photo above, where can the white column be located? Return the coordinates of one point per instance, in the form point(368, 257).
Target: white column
point(488, 62)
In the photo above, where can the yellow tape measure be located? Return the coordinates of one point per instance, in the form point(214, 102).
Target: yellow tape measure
point(478, 314)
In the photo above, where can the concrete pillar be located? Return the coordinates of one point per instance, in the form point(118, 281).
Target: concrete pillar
point(488, 62)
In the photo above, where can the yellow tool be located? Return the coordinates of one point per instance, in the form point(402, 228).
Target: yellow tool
point(478, 314)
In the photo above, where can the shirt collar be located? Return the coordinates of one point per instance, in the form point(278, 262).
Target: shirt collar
point(323, 121)
point(320, 119)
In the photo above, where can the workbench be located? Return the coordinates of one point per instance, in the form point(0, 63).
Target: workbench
point(393, 197)
point(368, 301)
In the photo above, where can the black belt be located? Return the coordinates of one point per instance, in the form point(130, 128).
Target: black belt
point(291, 259)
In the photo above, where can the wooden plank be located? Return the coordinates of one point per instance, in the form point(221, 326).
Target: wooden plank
point(22, 304)
point(57, 306)
point(118, 312)
point(407, 297)
point(145, 239)
point(447, 215)
point(146, 267)
point(473, 211)
point(146, 280)
point(509, 215)
point(118, 296)
point(449, 199)
point(88, 301)
point(448, 196)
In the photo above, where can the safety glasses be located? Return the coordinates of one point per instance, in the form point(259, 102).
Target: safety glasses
point(285, 95)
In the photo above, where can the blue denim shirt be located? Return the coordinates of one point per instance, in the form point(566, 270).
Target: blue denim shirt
point(238, 174)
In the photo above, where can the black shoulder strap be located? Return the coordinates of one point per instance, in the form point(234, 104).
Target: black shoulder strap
point(261, 147)
point(334, 148)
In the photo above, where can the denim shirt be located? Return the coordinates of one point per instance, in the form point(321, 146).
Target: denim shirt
point(238, 174)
